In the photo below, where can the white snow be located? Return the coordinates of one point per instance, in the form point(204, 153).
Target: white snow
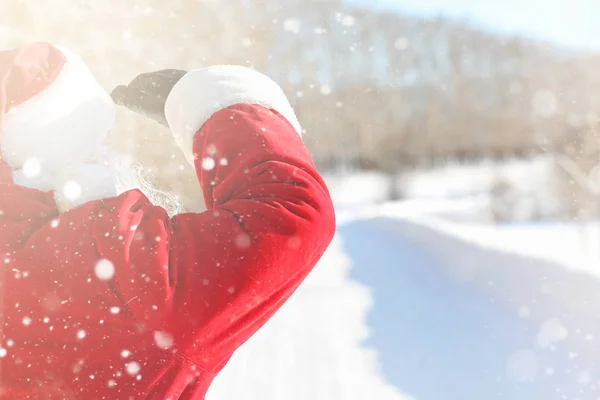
point(358, 188)
point(470, 186)
point(104, 269)
point(418, 300)
point(163, 340)
point(132, 368)
point(454, 180)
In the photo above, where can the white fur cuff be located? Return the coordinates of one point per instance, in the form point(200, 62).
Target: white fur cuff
point(201, 93)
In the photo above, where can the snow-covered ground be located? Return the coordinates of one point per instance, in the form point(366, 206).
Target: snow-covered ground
point(412, 301)
point(470, 314)
point(527, 187)
point(420, 300)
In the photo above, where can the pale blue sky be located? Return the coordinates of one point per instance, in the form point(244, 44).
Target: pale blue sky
point(572, 23)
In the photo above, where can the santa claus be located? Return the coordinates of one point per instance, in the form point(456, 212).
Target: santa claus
point(106, 296)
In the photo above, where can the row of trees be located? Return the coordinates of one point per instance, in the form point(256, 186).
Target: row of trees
point(374, 89)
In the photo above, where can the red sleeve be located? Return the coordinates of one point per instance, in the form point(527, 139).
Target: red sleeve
point(212, 279)
point(269, 220)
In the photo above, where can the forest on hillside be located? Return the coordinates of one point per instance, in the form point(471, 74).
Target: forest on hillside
point(374, 90)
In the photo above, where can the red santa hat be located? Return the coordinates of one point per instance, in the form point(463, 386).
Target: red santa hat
point(54, 116)
point(51, 107)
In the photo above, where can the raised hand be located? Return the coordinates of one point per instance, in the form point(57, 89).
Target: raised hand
point(147, 93)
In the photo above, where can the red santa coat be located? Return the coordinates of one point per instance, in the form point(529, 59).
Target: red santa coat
point(114, 299)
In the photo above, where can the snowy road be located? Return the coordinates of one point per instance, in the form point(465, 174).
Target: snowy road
point(455, 320)
point(404, 307)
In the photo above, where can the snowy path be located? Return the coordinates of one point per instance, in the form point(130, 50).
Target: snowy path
point(412, 305)
point(455, 320)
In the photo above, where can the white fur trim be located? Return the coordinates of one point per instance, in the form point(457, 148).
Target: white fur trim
point(81, 183)
point(41, 181)
point(106, 175)
point(73, 185)
point(61, 125)
point(202, 92)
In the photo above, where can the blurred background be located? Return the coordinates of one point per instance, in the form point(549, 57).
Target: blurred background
point(459, 139)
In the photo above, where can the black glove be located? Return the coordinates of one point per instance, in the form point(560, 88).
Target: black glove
point(147, 93)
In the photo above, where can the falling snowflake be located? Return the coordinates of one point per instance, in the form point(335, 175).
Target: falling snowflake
point(551, 332)
point(348, 20)
point(72, 190)
point(104, 269)
point(132, 368)
point(401, 43)
point(211, 149)
point(325, 90)
point(292, 25)
point(163, 340)
point(208, 163)
point(243, 241)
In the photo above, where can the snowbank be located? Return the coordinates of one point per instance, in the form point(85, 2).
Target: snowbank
point(455, 180)
point(358, 188)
